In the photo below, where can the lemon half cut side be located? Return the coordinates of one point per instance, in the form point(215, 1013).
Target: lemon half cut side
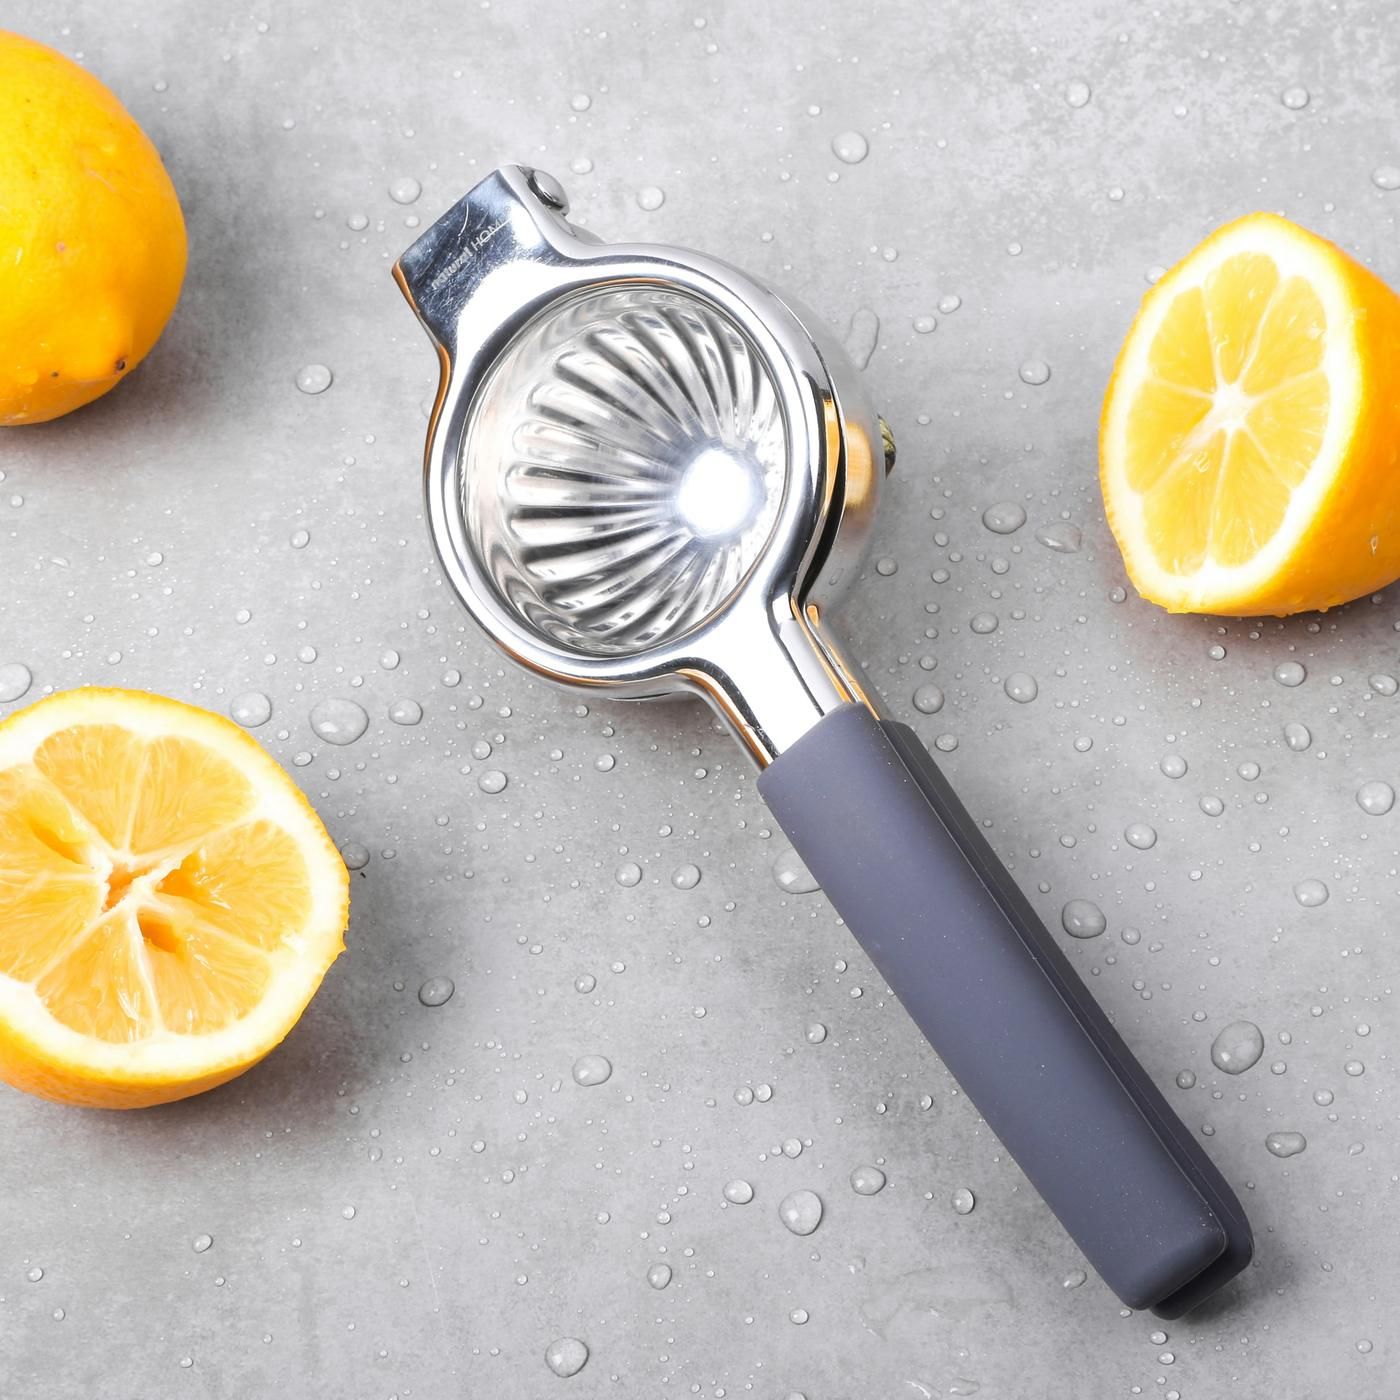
point(169, 901)
point(1250, 438)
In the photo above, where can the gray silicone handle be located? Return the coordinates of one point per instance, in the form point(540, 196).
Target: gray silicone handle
point(960, 945)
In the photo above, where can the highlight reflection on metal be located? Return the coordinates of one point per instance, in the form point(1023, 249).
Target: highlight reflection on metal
point(646, 471)
point(624, 464)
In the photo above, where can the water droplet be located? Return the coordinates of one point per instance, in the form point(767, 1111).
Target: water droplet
point(436, 991)
point(201, 1242)
point(405, 190)
point(1237, 1047)
point(1375, 798)
point(347, 1212)
point(338, 721)
point(1386, 177)
point(585, 982)
point(314, 379)
point(928, 699)
point(15, 680)
point(862, 335)
point(816, 1033)
point(35, 1274)
point(850, 147)
point(1141, 835)
point(1004, 517)
point(592, 1069)
point(801, 1211)
point(887, 568)
point(355, 856)
point(1295, 98)
point(251, 709)
point(659, 1275)
point(925, 324)
point(628, 874)
point(299, 539)
point(1354, 1068)
point(492, 781)
point(686, 877)
point(867, 1181)
point(1021, 687)
point(1062, 537)
point(566, 1357)
point(949, 303)
point(1285, 1144)
point(964, 1202)
point(1186, 1079)
point(651, 197)
point(405, 712)
point(1082, 918)
point(1173, 765)
point(1078, 93)
point(1290, 673)
point(1383, 684)
point(984, 622)
point(1310, 893)
point(738, 1192)
point(605, 763)
point(1034, 372)
point(791, 875)
point(1297, 736)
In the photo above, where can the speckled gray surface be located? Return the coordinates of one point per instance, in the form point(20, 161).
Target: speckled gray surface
point(418, 1201)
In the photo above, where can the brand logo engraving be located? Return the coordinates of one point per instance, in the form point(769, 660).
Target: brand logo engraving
point(469, 249)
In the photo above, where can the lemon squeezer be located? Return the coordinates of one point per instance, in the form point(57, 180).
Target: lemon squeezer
point(648, 473)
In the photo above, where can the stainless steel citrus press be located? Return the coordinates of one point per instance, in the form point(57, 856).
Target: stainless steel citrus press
point(648, 472)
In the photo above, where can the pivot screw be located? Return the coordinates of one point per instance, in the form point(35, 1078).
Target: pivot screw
point(549, 190)
point(887, 441)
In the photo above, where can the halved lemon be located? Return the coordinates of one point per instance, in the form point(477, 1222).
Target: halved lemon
point(1250, 441)
point(169, 901)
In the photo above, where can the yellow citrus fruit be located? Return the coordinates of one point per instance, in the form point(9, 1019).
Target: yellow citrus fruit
point(169, 901)
point(92, 242)
point(1250, 442)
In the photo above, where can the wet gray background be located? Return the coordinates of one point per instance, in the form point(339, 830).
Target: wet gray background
point(497, 1205)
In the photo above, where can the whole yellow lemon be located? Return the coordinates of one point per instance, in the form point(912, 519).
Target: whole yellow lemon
point(92, 241)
